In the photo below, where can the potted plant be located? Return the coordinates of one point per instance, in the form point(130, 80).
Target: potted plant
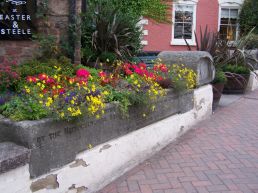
point(218, 86)
point(237, 79)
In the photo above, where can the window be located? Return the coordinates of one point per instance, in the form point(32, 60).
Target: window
point(184, 19)
point(228, 23)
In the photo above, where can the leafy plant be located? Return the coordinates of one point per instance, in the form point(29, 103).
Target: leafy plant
point(23, 108)
point(8, 75)
point(207, 42)
point(154, 9)
point(238, 69)
point(50, 66)
point(248, 18)
point(252, 42)
point(219, 77)
point(106, 29)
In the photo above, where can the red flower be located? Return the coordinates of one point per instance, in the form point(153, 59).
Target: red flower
point(128, 69)
point(31, 79)
point(128, 72)
point(50, 81)
point(102, 74)
point(163, 68)
point(142, 66)
point(71, 80)
point(42, 76)
point(61, 91)
point(83, 73)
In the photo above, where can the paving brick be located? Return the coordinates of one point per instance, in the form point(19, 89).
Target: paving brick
point(220, 155)
point(201, 183)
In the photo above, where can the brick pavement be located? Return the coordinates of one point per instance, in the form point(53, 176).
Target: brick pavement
point(218, 155)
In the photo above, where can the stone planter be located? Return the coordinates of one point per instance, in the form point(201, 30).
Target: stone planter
point(236, 84)
point(54, 144)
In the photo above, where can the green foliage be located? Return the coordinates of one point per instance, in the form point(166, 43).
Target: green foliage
point(252, 42)
point(87, 53)
point(106, 29)
point(48, 47)
point(248, 17)
point(238, 69)
point(23, 108)
point(35, 66)
point(42, 9)
point(125, 99)
point(154, 9)
point(220, 77)
point(108, 57)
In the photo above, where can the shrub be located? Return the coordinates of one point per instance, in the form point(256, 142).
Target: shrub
point(252, 42)
point(8, 75)
point(238, 69)
point(106, 29)
point(248, 17)
point(219, 77)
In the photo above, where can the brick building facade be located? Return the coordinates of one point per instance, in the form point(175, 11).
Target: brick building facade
point(187, 17)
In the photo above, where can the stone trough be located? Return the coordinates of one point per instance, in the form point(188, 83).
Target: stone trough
point(56, 143)
point(55, 156)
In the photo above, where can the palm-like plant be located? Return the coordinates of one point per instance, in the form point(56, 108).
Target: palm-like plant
point(106, 29)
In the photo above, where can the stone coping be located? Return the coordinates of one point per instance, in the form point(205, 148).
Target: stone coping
point(12, 156)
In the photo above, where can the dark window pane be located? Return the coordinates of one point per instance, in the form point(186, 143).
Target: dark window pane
point(179, 15)
point(188, 28)
point(178, 32)
point(223, 32)
point(224, 21)
point(188, 36)
point(188, 16)
point(233, 21)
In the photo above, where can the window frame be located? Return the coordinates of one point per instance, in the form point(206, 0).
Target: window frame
point(175, 41)
point(230, 4)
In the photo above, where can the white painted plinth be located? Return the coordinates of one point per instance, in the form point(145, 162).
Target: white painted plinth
point(253, 81)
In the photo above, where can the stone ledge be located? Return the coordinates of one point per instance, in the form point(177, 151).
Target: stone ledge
point(12, 156)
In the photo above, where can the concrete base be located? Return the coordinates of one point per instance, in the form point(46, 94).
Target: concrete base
point(95, 168)
point(253, 81)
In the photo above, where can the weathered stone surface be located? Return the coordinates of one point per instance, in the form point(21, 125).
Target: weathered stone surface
point(49, 182)
point(56, 143)
point(200, 62)
point(12, 156)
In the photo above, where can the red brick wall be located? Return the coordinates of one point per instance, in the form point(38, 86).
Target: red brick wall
point(159, 35)
point(56, 24)
point(16, 50)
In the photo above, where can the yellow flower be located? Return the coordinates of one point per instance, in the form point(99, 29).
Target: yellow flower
point(90, 146)
point(62, 115)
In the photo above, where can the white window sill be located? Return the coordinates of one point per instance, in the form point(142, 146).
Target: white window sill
point(182, 42)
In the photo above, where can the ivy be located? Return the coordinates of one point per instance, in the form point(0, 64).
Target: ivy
point(154, 9)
